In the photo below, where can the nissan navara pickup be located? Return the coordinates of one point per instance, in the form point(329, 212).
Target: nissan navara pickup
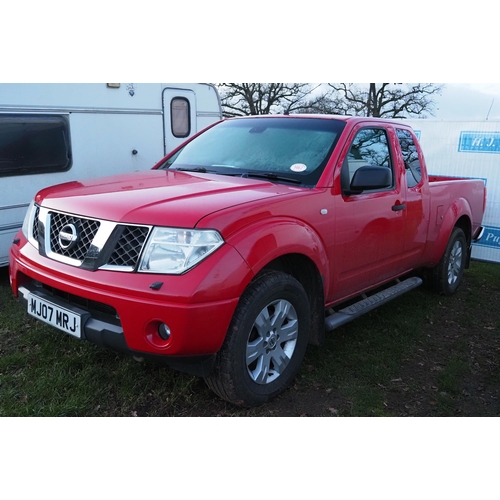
point(245, 244)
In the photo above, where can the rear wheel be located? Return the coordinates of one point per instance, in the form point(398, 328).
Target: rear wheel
point(448, 274)
point(265, 343)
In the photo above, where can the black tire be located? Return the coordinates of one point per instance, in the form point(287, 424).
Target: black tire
point(448, 275)
point(265, 343)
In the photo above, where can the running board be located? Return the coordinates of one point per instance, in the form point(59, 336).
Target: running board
point(353, 311)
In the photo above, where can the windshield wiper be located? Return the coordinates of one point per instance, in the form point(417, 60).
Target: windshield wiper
point(231, 171)
point(202, 170)
point(272, 177)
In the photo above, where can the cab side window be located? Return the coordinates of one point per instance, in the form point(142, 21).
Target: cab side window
point(410, 157)
point(369, 147)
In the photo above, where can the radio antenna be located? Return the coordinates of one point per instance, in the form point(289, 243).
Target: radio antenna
point(491, 105)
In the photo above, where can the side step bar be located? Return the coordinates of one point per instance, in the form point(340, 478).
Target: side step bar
point(353, 311)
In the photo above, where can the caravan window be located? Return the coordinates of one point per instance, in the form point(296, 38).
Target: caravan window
point(34, 144)
point(180, 117)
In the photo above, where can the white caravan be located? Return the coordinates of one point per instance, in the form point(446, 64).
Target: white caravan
point(56, 132)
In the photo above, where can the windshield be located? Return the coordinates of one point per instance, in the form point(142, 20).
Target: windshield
point(284, 149)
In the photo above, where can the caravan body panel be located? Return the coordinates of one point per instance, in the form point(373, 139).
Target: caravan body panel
point(104, 129)
point(468, 149)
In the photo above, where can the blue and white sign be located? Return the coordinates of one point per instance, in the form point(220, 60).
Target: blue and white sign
point(479, 142)
point(491, 237)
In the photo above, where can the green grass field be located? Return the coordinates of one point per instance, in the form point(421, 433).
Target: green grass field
point(421, 355)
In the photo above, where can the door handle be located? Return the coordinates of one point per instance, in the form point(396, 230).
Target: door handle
point(397, 208)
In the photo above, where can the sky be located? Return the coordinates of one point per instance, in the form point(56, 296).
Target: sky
point(468, 101)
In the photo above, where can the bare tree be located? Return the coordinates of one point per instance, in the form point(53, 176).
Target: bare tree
point(243, 99)
point(326, 102)
point(387, 100)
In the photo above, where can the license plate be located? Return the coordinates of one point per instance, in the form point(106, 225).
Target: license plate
point(54, 315)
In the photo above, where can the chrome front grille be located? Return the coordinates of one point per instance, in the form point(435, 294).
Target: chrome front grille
point(86, 229)
point(88, 243)
point(35, 230)
point(129, 246)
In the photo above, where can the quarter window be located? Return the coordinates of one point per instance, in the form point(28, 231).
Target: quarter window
point(410, 157)
point(34, 144)
point(180, 117)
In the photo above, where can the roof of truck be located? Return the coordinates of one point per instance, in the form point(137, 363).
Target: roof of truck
point(345, 118)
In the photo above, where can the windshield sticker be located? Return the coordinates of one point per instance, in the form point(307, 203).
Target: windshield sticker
point(298, 167)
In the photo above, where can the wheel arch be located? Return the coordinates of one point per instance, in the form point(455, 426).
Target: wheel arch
point(464, 223)
point(447, 275)
point(304, 270)
point(458, 215)
point(293, 247)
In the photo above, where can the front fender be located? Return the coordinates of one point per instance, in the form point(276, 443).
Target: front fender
point(263, 242)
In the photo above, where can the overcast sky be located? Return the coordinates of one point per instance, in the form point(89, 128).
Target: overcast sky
point(469, 101)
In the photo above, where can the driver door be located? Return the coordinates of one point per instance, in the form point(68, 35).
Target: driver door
point(370, 225)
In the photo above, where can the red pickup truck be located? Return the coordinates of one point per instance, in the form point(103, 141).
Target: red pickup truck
point(245, 244)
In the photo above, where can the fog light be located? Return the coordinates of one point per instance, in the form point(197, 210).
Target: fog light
point(164, 331)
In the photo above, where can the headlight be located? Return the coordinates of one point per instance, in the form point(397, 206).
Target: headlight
point(28, 221)
point(174, 251)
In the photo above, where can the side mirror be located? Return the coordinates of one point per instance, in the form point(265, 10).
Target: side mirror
point(370, 177)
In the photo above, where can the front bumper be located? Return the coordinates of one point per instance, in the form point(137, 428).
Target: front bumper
point(122, 311)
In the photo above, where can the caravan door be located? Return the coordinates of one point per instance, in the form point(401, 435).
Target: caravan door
point(179, 115)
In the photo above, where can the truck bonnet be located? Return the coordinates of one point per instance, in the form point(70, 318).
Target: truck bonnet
point(168, 198)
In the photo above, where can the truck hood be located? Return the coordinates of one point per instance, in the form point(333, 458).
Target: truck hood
point(157, 197)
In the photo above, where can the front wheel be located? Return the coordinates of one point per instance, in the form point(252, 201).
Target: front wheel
point(448, 274)
point(265, 343)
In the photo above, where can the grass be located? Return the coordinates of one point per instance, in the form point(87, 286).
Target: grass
point(418, 355)
point(363, 356)
point(44, 373)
